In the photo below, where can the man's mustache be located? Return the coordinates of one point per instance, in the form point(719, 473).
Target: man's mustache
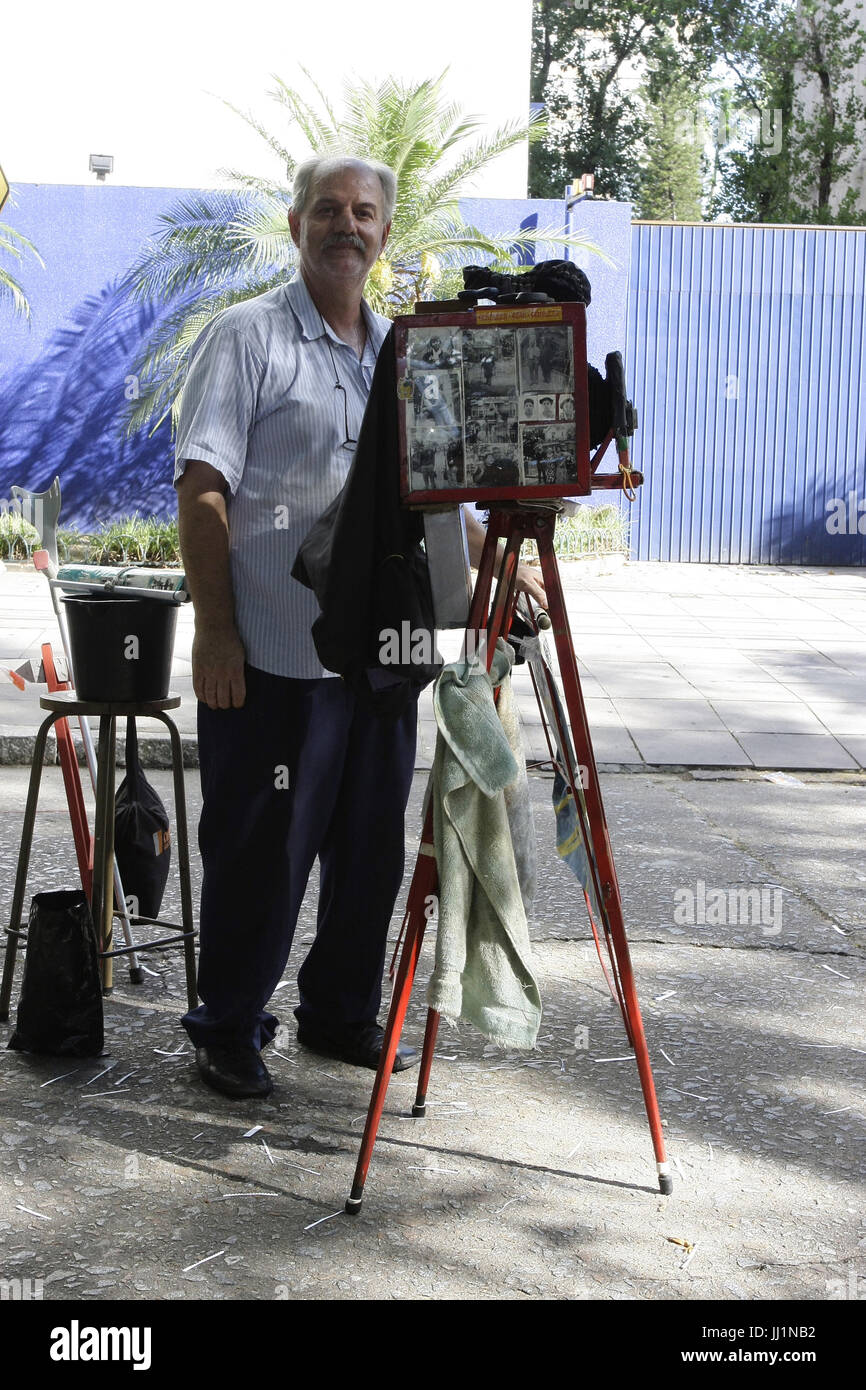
point(338, 240)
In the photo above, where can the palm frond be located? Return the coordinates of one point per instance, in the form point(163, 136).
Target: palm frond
point(320, 136)
point(161, 363)
point(255, 183)
point(196, 247)
point(11, 291)
point(271, 140)
point(17, 243)
point(261, 234)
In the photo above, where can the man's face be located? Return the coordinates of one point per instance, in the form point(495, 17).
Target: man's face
point(341, 232)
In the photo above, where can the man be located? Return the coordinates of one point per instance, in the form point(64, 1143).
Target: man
point(293, 767)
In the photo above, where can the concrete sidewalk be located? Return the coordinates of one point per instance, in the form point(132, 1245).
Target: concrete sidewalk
point(683, 665)
point(532, 1176)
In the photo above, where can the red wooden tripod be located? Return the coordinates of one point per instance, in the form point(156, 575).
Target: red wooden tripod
point(515, 523)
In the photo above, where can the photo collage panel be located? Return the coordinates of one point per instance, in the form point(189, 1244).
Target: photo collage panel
point(489, 407)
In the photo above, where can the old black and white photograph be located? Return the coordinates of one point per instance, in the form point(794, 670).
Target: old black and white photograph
point(548, 454)
point(545, 357)
point(538, 407)
point(435, 459)
point(438, 349)
point(436, 400)
point(490, 360)
point(490, 420)
point(494, 466)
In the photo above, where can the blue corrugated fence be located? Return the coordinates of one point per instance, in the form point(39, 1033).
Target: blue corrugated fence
point(746, 357)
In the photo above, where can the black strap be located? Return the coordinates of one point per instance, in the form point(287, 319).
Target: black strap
point(133, 763)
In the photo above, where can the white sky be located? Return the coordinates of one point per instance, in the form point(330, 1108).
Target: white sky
point(134, 80)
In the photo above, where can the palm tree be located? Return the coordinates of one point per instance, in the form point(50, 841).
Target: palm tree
point(218, 248)
point(15, 244)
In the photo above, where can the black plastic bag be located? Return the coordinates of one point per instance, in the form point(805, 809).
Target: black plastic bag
point(60, 1009)
point(142, 839)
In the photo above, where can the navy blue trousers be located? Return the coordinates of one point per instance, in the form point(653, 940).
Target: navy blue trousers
point(301, 770)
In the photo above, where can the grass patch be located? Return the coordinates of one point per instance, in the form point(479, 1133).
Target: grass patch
point(131, 540)
point(592, 531)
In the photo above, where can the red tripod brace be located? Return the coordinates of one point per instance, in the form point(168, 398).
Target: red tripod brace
point(514, 523)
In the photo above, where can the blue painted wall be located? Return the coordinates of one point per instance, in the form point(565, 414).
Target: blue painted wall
point(608, 225)
point(63, 379)
point(747, 361)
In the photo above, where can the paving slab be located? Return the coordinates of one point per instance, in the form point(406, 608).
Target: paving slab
point(796, 750)
point(690, 748)
point(768, 716)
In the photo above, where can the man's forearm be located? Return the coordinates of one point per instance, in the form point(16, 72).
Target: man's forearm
point(475, 536)
point(217, 651)
point(528, 578)
point(204, 545)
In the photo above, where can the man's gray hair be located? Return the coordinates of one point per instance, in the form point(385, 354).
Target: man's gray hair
point(320, 166)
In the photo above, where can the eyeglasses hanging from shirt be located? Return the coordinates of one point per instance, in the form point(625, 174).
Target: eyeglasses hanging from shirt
point(348, 442)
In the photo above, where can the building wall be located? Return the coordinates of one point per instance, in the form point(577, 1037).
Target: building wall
point(747, 360)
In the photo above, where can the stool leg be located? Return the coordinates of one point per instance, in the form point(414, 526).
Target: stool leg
point(23, 864)
point(102, 902)
point(186, 912)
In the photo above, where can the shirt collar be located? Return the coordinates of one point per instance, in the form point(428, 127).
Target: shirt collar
point(310, 320)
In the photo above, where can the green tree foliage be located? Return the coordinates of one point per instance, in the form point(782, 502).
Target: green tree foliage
point(794, 71)
point(589, 61)
point(218, 248)
point(784, 116)
point(670, 188)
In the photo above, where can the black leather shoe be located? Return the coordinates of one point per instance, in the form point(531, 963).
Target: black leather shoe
point(235, 1071)
point(362, 1050)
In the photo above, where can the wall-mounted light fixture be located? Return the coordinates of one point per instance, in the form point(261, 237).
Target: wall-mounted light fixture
point(580, 192)
point(100, 165)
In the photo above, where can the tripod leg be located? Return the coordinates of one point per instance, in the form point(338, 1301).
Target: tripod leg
point(601, 844)
point(419, 1109)
point(423, 884)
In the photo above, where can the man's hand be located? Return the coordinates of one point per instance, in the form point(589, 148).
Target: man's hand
point(218, 668)
point(529, 581)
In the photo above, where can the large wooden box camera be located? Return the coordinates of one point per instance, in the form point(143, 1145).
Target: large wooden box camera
point(493, 404)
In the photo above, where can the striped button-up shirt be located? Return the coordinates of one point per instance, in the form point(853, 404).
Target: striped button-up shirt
point(260, 405)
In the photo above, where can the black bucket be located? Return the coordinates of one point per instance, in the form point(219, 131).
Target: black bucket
point(121, 647)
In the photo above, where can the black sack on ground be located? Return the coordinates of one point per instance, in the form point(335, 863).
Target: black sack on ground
point(60, 1009)
point(142, 840)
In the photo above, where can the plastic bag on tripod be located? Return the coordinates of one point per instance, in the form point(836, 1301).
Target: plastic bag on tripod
point(142, 839)
point(60, 1009)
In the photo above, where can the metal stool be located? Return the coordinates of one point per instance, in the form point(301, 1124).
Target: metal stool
point(61, 705)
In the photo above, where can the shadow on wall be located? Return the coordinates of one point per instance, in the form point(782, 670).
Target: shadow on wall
point(63, 414)
point(834, 535)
